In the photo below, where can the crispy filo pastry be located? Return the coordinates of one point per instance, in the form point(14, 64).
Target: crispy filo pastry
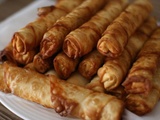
point(140, 77)
point(69, 99)
point(65, 98)
point(90, 64)
point(42, 65)
point(9, 54)
point(27, 84)
point(114, 70)
point(143, 104)
point(82, 40)
point(115, 37)
point(30, 36)
point(25, 58)
point(64, 66)
point(95, 85)
point(53, 39)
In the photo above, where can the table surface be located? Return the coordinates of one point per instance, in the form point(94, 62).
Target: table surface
point(12, 6)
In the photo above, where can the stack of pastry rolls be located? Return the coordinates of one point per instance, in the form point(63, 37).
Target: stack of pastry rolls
point(53, 39)
point(26, 40)
point(83, 58)
point(142, 82)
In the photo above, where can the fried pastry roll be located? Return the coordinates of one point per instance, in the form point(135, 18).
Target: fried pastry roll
point(116, 36)
point(140, 77)
point(30, 36)
point(65, 98)
point(28, 84)
point(82, 40)
point(53, 39)
point(90, 64)
point(42, 65)
point(95, 85)
point(64, 66)
point(69, 99)
point(9, 54)
point(25, 58)
point(143, 104)
point(114, 70)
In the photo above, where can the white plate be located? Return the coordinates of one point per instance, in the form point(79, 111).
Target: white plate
point(29, 110)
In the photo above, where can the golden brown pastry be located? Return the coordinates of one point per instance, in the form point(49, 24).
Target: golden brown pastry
point(25, 58)
point(90, 64)
point(9, 54)
point(82, 40)
point(42, 65)
point(114, 70)
point(140, 77)
point(64, 66)
point(28, 84)
point(65, 98)
point(143, 104)
point(115, 37)
point(53, 39)
point(69, 99)
point(30, 36)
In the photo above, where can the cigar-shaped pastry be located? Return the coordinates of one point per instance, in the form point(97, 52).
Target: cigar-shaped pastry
point(69, 99)
point(90, 64)
point(25, 58)
point(82, 40)
point(10, 54)
point(42, 65)
point(65, 98)
point(64, 66)
point(114, 70)
point(28, 84)
point(53, 39)
point(140, 77)
point(30, 36)
point(117, 34)
point(143, 104)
